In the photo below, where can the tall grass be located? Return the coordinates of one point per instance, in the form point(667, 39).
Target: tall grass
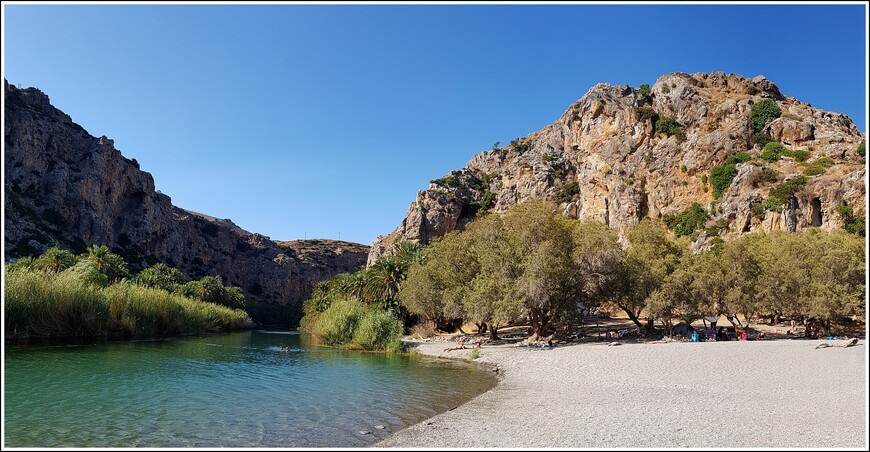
point(349, 323)
point(68, 304)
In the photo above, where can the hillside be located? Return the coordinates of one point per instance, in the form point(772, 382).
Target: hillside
point(621, 154)
point(67, 188)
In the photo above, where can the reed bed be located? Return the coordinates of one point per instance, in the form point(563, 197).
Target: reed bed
point(47, 305)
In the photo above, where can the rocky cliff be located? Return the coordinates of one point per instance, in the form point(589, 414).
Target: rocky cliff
point(604, 160)
point(65, 187)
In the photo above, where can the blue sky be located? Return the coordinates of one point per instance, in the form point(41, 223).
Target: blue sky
point(322, 121)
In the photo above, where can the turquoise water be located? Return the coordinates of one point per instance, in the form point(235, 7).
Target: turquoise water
point(234, 390)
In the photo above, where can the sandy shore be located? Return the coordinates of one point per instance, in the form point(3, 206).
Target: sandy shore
point(781, 393)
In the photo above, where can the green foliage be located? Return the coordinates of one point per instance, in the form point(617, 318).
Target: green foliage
point(760, 138)
point(645, 113)
point(496, 145)
point(475, 353)
point(44, 304)
point(349, 323)
point(629, 181)
point(669, 126)
point(704, 179)
point(445, 181)
point(212, 290)
point(109, 264)
point(160, 276)
point(531, 263)
point(752, 90)
point(683, 168)
point(759, 210)
point(55, 260)
point(721, 177)
point(568, 191)
point(780, 194)
point(762, 112)
point(648, 157)
point(773, 151)
point(740, 157)
point(768, 175)
point(813, 170)
point(486, 201)
point(862, 148)
point(378, 330)
point(851, 223)
point(687, 221)
point(547, 158)
point(520, 146)
point(799, 155)
point(644, 91)
point(666, 89)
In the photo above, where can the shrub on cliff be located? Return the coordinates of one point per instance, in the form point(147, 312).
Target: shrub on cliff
point(762, 112)
point(721, 177)
point(687, 221)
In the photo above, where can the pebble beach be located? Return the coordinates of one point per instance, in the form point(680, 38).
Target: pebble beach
point(739, 394)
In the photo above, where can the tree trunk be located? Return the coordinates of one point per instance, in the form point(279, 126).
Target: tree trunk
point(493, 331)
point(481, 328)
point(650, 326)
point(631, 315)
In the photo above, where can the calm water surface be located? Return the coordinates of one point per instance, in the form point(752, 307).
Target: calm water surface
point(235, 390)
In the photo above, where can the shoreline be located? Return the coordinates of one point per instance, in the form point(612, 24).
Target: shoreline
point(774, 393)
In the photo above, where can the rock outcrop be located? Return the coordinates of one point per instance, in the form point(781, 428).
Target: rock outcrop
point(65, 187)
point(603, 160)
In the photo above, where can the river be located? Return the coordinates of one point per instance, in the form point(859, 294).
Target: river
point(232, 390)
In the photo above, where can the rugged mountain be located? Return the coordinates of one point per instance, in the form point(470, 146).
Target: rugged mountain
point(604, 160)
point(65, 187)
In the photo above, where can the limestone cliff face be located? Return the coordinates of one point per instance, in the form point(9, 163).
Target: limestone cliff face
point(625, 171)
point(65, 187)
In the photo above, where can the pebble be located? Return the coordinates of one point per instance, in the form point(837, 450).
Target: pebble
point(379, 427)
point(365, 432)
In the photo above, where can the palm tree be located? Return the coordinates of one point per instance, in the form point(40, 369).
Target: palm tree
point(160, 276)
point(351, 284)
point(410, 252)
point(383, 279)
point(106, 262)
point(55, 260)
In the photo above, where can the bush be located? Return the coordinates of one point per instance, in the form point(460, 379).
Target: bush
point(762, 112)
point(644, 91)
point(687, 221)
point(475, 353)
point(780, 194)
point(760, 138)
point(851, 223)
point(445, 181)
point(683, 168)
point(758, 210)
point(862, 148)
point(347, 322)
point(769, 175)
point(547, 158)
point(721, 177)
point(669, 126)
point(799, 155)
point(645, 113)
point(704, 179)
point(568, 191)
point(378, 330)
point(772, 151)
point(519, 146)
point(740, 157)
point(813, 170)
